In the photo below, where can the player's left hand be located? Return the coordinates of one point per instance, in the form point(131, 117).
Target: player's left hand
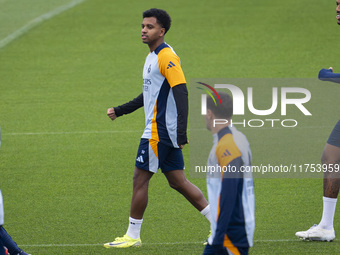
point(181, 146)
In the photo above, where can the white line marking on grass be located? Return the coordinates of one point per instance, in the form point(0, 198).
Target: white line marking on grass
point(167, 243)
point(58, 245)
point(280, 240)
point(37, 21)
point(262, 128)
point(80, 132)
point(134, 131)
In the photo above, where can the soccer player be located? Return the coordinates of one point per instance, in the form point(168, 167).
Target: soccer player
point(165, 101)
point(324, 231)
point(229, 182)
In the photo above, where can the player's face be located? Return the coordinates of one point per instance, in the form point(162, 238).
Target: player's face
point(208, 118)
point(338, 11)
point(151, 30)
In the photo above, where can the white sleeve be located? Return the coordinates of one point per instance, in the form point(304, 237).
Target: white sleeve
point(214, 189)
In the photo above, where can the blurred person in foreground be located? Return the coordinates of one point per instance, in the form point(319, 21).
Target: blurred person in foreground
point(229, 183)
point(7, 245)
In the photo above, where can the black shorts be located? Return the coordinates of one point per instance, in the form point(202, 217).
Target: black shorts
point(152, 155)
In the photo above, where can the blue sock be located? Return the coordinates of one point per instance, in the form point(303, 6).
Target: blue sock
point(7, 241)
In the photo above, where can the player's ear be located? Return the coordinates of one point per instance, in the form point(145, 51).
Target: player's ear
point(162, 32)
point(209, 114)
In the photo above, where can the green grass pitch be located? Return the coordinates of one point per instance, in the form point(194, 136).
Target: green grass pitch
point(66, 169)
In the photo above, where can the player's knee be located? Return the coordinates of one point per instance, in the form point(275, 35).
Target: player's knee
point(173, 185)
point(134, 181)
point(324, 158)
point(330, 155)
point(141, 178)
point(137, 182)
point(177, 185)
point(329, 160)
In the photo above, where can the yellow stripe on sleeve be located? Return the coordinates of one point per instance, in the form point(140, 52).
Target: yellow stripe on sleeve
point(170, 67)
point(227, 150)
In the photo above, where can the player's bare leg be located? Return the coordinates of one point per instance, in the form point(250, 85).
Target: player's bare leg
point(179, 182)
point(324, 231)
point(331, 182)
point(139, 199)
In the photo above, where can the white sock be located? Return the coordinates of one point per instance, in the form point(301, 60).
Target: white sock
point(134, 228)
point(206, 213)
point(329, 205)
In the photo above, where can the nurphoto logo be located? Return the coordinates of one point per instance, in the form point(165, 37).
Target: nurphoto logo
point(239, 104)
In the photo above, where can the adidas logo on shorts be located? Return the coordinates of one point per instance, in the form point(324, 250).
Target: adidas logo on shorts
point(140, 159)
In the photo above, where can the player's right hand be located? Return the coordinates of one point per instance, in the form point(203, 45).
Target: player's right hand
point(111, 113)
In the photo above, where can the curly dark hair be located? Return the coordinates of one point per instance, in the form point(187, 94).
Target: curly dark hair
point(163, 18)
